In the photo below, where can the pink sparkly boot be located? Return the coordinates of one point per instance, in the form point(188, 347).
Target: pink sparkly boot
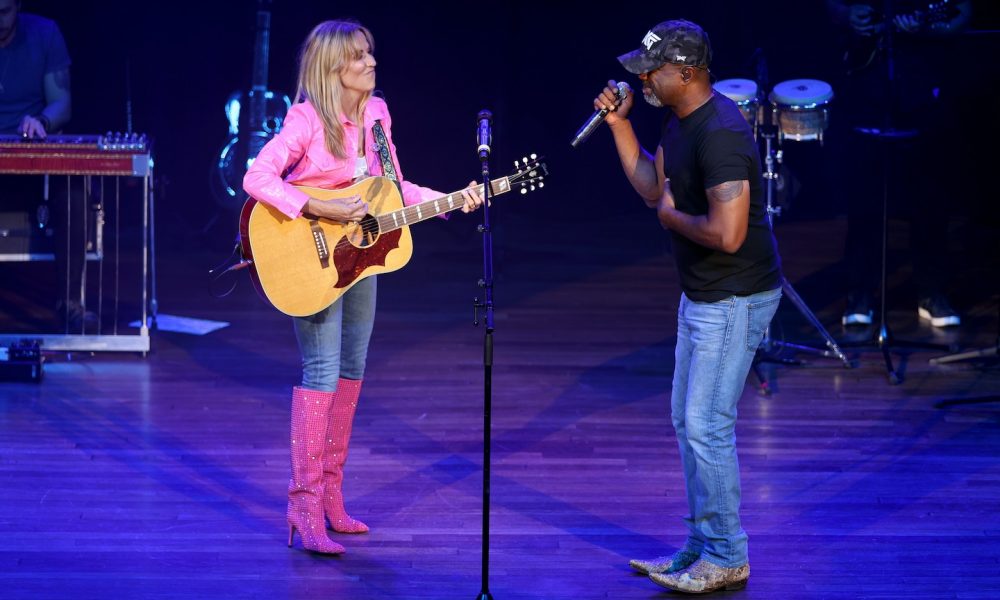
point(338, 436)
point(305, 501)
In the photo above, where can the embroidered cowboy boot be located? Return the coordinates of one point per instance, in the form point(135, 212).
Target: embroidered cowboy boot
point(703, 577)
point(681, 559)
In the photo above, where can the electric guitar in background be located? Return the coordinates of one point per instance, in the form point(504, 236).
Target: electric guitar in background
point(254, 117)
point(303, 265)
point(862, 50)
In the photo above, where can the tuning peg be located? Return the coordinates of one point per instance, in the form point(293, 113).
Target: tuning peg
point(534, 156)
point(524, 190)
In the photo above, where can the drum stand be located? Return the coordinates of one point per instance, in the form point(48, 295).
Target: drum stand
point(769, 349)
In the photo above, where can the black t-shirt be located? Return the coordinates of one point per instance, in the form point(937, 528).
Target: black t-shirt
point(713, 145)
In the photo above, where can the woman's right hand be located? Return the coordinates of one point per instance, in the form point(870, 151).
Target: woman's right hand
point(607, 100)
point(346, 210)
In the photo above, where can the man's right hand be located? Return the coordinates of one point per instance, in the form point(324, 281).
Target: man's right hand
point(31, 128)
point(346, 210)
point(607, 98)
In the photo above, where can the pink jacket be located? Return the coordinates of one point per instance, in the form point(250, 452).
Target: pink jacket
point(300, 142)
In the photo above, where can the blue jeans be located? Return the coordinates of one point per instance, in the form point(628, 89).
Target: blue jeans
point(334, 342)
point(716, 342)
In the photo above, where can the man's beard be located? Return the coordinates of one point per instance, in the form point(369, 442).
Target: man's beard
point(651, 98)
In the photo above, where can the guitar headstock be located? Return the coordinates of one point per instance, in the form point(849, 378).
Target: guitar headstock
point(937, 12)
point(529, 172)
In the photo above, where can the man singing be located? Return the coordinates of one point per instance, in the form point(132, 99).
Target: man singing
point(705, 184)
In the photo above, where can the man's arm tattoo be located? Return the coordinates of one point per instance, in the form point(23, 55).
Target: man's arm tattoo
point(725, 192)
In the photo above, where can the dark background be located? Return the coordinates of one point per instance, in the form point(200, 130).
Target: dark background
point(536, 65)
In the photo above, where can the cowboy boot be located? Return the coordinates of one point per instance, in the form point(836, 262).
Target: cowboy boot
point(703, 577)
point(305, 488)
point(338, 436)
point(681, 559)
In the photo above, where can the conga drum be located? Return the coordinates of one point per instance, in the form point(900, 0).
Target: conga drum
point(744, 93)
point(801, 109)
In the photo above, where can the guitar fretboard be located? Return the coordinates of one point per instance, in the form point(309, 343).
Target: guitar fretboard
point(261, 50)
point(408, 215)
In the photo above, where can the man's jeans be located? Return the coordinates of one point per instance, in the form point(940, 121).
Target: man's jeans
point(716, 342)
point(334, 341)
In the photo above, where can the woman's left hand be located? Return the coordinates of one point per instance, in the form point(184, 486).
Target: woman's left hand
point(472, 198)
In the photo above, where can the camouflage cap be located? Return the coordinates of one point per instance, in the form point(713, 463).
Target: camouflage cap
point(678, 42)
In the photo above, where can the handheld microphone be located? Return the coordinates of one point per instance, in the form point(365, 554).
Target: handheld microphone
point(598, 117)
point(484, 135)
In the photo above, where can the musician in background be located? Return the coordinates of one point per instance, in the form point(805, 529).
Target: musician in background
point(922, 100)
point(705, 182)
point(35, 100)
point(34, 73)
point(330, 139)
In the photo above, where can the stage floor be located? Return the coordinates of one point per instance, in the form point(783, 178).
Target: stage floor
point(164, 476)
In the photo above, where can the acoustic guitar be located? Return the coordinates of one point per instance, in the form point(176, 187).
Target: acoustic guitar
point(254, 117)
point(303, 265)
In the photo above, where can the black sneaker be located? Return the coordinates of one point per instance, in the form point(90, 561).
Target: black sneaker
point(937, 310)
point(859, 309)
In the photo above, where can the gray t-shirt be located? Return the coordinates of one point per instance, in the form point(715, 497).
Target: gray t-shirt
point(37, 49)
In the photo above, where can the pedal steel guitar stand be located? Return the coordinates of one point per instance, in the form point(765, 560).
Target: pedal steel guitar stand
point(114, 156)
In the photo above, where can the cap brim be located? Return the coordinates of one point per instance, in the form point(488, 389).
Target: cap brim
point(638, 63)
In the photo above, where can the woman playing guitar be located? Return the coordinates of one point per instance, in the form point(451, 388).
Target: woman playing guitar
point(330, 139)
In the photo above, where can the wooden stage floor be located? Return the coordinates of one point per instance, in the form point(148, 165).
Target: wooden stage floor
point(164, 476)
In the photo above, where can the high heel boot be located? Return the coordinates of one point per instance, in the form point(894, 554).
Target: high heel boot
point(338, 436)
point(305, 488)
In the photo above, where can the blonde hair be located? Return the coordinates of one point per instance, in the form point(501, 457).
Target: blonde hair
point(328, 49)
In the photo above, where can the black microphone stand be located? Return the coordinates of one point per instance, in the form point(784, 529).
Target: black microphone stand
point(487, 305)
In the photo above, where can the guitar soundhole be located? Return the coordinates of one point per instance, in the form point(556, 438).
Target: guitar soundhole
point(363, 234)
point(272, 124)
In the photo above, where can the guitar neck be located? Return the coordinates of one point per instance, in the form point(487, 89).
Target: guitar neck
point(261, 51)
point(408, 215)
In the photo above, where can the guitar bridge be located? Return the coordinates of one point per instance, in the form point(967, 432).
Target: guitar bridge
point(319, 239)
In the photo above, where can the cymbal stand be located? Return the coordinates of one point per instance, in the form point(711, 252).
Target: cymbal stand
point(769, 349)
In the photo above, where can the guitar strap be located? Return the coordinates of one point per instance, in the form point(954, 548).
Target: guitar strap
point(388, 169)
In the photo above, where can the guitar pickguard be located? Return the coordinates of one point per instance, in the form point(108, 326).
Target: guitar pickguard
point(352, 261)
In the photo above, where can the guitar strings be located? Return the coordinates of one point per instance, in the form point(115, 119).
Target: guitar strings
point(370, 226)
